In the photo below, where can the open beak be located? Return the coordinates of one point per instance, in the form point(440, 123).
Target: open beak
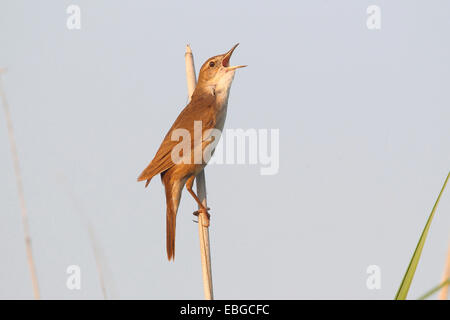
point(226, 60)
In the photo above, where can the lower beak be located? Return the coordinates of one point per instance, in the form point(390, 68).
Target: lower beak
point(236, 67)
point(226, 60)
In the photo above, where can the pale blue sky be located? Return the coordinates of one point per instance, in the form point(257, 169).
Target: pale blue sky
point(364, 146)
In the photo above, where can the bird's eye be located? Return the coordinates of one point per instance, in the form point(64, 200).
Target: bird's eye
point(212, 64)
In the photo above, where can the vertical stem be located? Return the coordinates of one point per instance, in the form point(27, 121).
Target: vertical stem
point(203, 229)
point(20, 192)
point(98, 263)
point(190, 71)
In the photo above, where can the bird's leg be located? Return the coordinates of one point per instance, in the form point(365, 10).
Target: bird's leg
point(202, 208)
point(189, 184)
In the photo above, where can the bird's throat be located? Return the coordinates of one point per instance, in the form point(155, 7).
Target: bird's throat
point(222, 89)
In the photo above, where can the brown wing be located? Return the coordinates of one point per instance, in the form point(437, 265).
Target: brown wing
point(200, 108)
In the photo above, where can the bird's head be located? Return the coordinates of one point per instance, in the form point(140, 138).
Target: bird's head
point(217, 72)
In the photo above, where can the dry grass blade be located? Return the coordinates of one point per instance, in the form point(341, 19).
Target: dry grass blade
point(446, 275)
point(23, 207)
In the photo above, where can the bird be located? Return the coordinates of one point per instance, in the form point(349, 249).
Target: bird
point(177, 166)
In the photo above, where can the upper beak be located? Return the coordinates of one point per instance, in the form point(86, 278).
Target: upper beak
point(226, 60)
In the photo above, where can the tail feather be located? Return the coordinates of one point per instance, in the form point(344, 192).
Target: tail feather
point(145, 176)
point(170, 233)
point(173, 195)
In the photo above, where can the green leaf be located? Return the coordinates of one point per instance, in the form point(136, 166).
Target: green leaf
point(434, 290)
point(402, 292)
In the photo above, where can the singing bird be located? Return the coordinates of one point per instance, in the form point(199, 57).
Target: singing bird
point(208, 104)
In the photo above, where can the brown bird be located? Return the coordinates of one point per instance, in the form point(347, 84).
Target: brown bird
point(178, 162)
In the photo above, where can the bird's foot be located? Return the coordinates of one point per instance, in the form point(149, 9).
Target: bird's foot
point(201, 210)
point(206, 216)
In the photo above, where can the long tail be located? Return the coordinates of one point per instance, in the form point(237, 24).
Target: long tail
point(173, 195)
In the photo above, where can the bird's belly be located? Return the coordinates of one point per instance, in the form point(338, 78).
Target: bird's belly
point(220, 122)
point(195, 162)
point(183, 171)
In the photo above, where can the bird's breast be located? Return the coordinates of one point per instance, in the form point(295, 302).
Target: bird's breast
point(221, 116)
point(221, 108)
